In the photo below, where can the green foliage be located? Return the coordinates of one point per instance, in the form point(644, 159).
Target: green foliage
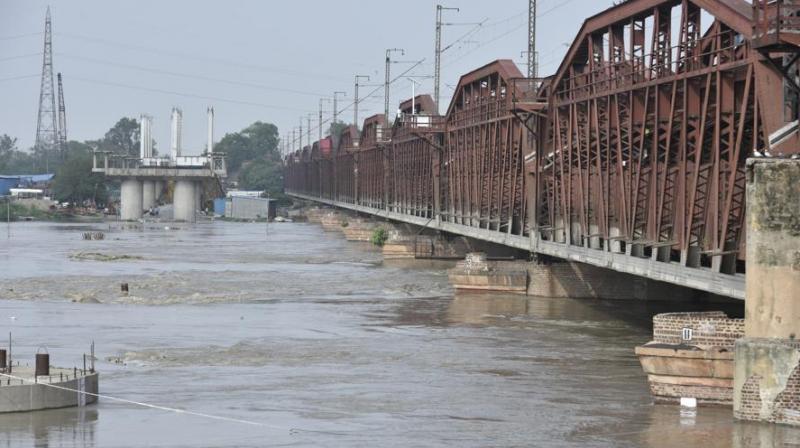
point(345, 224)
point(14, 161)
point(336, 128)
point(264, 174)
point(17, 211)
point(122, 138)
point(257, 141)
point(74, 180)
point(379, 236)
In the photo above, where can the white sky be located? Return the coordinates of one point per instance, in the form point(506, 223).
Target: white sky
point(252, 60)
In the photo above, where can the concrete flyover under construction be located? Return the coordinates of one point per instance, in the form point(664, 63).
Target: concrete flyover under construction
point(637, 156)
point(144, 178)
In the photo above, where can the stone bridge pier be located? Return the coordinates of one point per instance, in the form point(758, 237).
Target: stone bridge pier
point(767, 360)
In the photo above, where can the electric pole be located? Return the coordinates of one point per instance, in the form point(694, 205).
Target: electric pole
point(389, 80)
point(293, 140)
point(438, 62)
point(336, 105)
point(533, 57)
point(308, 128)
point(355, 100)
point(301, 134)
point(46, 129)
point(321, 100)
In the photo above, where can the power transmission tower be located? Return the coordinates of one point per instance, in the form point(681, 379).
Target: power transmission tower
point(438, 63)
point(46, 129)
point(62, 120)
point(533, 62)
point(388, 80)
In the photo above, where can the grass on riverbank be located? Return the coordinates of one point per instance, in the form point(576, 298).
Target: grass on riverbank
point(22, 212)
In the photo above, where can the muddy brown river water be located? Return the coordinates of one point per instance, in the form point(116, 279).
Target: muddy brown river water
point(313, 341)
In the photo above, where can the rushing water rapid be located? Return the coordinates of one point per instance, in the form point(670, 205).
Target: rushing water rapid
point(318, 342)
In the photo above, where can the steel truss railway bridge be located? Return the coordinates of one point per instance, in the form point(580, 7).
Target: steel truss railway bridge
point(630, 157)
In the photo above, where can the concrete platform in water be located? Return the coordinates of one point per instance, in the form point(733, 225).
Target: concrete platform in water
point(22, 391)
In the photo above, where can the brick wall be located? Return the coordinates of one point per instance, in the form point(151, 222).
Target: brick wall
point(709, 328)
point(764, 396)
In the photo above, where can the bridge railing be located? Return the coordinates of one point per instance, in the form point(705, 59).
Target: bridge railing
point(775, 21)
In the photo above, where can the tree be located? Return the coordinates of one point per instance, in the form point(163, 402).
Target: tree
point(336, 129)
point(74, 180)
point(14, 161)
point(264, 174)
point(256, 141)
point(122, 138)
point(8, 145)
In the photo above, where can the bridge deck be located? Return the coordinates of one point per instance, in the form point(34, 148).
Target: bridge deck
point(703, 279)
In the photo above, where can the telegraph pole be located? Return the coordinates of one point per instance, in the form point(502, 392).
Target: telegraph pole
point(355, 100)
point(301, 134)
point(308, 128)
point(293, 140)
point(321, 100)
point(438, 63)
point(336, 105)
point(533, 56)
point(388, 79)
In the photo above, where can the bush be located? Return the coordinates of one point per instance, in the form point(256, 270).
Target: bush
point(345, 223)
point(379, 237)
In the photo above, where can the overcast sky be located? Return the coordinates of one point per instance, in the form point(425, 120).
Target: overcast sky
point(251, 59)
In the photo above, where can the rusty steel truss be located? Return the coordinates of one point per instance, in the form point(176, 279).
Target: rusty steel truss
point(633, 152)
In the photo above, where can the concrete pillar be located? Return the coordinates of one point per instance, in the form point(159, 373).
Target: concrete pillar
point(185, 200)
point(131, 199)
point(767, 359)
point(476, 273)
point(148, 194)
point(159, 189)
point(198, 195)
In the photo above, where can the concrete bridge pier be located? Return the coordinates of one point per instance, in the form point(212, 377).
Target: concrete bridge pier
point(767, 359)
point(158, 187)
point(333, 221)
point(359, 229)
point(198, 196)
point(131, 199)
point(185, 200)
point(148, 194)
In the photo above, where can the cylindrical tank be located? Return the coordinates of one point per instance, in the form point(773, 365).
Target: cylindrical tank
point(3, 359)
point(42, 364)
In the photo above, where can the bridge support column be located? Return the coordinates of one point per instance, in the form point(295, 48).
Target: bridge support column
point(333, 221)
point(148, 194)
point(185, 200)
point(359, 229)
point(131, 199)
point(198, 196)
point(767, 359)
point(159, 189)
point(476, 273)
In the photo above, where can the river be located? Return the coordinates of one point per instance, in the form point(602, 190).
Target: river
point(284, 335)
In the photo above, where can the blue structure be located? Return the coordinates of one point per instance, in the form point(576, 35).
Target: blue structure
point(219, 206)
point(7, 182)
